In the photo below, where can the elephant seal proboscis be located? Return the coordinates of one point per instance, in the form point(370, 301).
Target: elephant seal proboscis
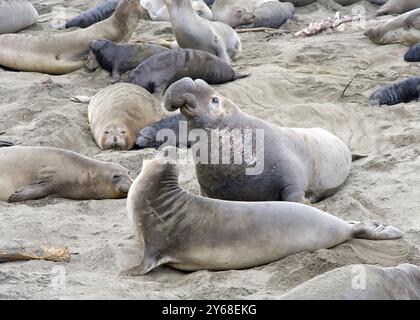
point(119, 58)
point(194, 32)
point(61, 53)
point(32, 173)
point(288, 163)
point(189, 232)
point(403, 91)
point(16, 15)
point(159, 12)
point(361, 282)
point(413, 54)
point(404, 29)
point(398, 7)
point(158, 72)
point(118, 112)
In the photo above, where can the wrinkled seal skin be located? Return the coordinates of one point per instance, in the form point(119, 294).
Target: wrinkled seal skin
point(119, 58)
point(272, 14)
point(403, 91)
point(190, 232)
point(118, 112)
point(392, 283)
point(147, 137)
point(298, 163)
point(404, 29)
point(61, 53)
point(194, 32)
point(32, 173)
point(398, 7)
point(16, 15)
point(158, 72)
point(413, 54)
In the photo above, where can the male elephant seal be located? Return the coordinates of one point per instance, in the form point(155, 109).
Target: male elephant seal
point(118, 112)
point(404, 29)
point(159, 12)
point(16, 15)
point(119, 58)
point(192, 31)
point(361, 282)
point(292, 164)
point(158, 72)
point(398, 7)
point(413, 54)
point(403, 91)
point(190, 232)
point(61, 53)
point(32, 173)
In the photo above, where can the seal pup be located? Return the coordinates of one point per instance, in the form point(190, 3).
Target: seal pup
point(192, 31)
point(158, 72)
point(398, 7)
point(289, 164)
point(272, 14)
point(392, 283)
point(118, 58)
point(32, 173)
point(16, 15)
point(413, 54)
point(61, 53)
point(189, 232)
point(118, 112)
point(159, 12)
point(402, 91)
point(404, 29)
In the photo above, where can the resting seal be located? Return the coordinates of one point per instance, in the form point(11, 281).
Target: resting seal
point(190, 232)
point(61, 53)
point(233, 12)
point(403, 91)
point(192, 31)
point(158, 72)
point(159, 12)
point(16, 15)
point(398, 7)
point(393, 283)
point(272, 14)
point(296, 162)
point(32, 173)
point(404, 29)
point(119, 58)
point(413, 54)
point(118, 112)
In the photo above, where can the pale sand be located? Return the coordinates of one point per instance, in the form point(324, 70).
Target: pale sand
point(293, 82)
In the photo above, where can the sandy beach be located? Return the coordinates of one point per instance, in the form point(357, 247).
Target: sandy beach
point(294, 82)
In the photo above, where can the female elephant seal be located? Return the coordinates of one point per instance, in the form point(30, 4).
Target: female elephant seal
point(398, 7)
point(118, 112)
point(158, 72)
point(119, 58)
point(32, 173)
point(282, 163)
point(233, 12)
point(61, 53)
point(346, 283)
point(192, 31)
point(404, 29)
point(16, 15)
point(190, 232)
point(403, 91)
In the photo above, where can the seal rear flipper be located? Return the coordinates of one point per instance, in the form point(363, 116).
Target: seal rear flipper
point(358, 156)
point(240, 76)
point(372, 230)
point(6, 144)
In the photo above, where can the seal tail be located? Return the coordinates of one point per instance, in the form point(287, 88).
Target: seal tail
point(240, 76)
point(6, 144)
point(358, 156)
point(372, 230)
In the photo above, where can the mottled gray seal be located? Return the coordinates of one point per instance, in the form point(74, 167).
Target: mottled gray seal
point(158, 72)
point(16, 15)
point(61, 53)
point(119, 58)
point(413, 54)
point(32, 173)
point(272, 14)
point(398, 7)
point(402, 91)
point(361, 282)
point(190, 232)
point(292, 164)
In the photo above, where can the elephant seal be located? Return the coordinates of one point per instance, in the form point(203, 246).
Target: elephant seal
point(272, 14)
point(16, 15)
point(398, 7)
point(159, 12)
point(158, 72)
point(61, 53)
point(233, 12)
point(118, 112)
point(361, 282)
point(350, 2)
point(413, 54)
point(403, 91)
point(404, 29)
point(288, 164)
point(189, 232)
point(119, 58)
point(32, 173)
point(192, 31)
point(300, 3)
point(5, 144)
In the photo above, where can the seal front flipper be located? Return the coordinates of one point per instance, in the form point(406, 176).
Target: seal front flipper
point(40, 189)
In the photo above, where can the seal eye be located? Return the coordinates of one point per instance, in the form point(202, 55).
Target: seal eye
point(215, 100)
point(123, 132)
point(106, 132)
point(200, 12)
point(116, 178)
